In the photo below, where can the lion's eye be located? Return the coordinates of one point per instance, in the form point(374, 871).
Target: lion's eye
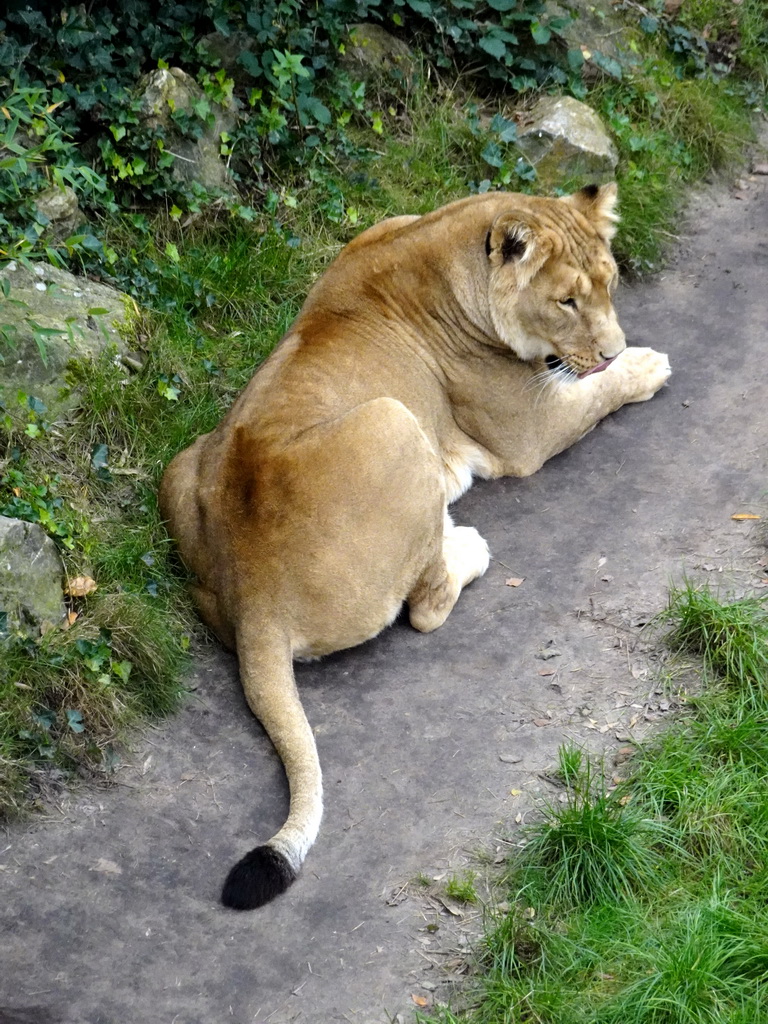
point(571, 303)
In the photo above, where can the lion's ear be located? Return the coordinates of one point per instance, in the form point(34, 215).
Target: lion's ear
point(514, 243)
point(598, 204)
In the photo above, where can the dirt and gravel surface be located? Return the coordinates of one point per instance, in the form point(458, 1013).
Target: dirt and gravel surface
point(433, 747)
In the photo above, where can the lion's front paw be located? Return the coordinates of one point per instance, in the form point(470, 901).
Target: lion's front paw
point(644, 371)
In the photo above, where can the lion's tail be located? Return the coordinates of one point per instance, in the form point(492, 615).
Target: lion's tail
point(266, 670)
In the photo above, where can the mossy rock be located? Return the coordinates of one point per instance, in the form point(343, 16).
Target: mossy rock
point(31, 575)
point(566, 141)
point(48, 318)
point(197, 160)
point(372, 53)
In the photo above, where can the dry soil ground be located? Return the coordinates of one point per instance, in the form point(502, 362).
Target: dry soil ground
point(109, 905)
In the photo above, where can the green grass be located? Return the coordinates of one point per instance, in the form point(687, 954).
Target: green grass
point(670, 133)
point(646, 904)
point(462, 887)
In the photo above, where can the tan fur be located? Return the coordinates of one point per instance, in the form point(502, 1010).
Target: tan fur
point(318, 505)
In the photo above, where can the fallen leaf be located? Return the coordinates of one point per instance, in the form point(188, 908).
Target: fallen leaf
point(515, 792)
point(530, 913)
point(514, 581)
point(451, 907)
point(623, 801)
point(419, 1000)
point(80, 586)
point(745, 515)
point(72, 618)
point(17, 492)
point(547, 671)
point(601, 562)
point(541, 721)
point(518, 818)
point(107, 867)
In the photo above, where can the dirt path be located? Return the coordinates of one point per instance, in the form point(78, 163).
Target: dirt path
point(109, 908)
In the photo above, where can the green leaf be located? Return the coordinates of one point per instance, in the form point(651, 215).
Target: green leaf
point(172, 252)
point(75, 720)
point(502, 5)
point(316, 110)
point(421, 7)
point(36, 405)
point(97, 311)
point(649, 24)
point(492, 154)
point(122, 669)
point(540, 33)
point(100, 456)
point(607, 64)
point(494, 46)
point(505, 129)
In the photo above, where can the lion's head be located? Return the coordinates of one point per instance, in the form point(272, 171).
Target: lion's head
point(551, 279)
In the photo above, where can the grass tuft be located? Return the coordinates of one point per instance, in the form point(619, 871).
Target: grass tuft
point(595, 848)
point(731, 638)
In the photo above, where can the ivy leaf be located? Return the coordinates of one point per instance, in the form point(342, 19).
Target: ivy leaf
point(505, 129)
point(75, 720)
point(315, 109)
point(100, 456)
point(122, 669)
point(494, 46)
point(502, 5)
point(649, 24)
point(540, 33)
point(607, 64)
point(492, 154)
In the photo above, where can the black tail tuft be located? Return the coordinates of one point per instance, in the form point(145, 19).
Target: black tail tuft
point(261, 875)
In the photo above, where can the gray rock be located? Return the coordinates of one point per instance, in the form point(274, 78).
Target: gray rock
point(61, 208)
point(372, 52)
point(31, 574)
point(195, 159)
point(567, 140)
point(55, 300)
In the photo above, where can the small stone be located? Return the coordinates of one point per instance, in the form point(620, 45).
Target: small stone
point(547, 653)
point(760, 169)
point(686, 403)
point(60, 207)
point(510, 758)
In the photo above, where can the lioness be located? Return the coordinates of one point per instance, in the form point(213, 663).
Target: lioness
point(463, 343)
